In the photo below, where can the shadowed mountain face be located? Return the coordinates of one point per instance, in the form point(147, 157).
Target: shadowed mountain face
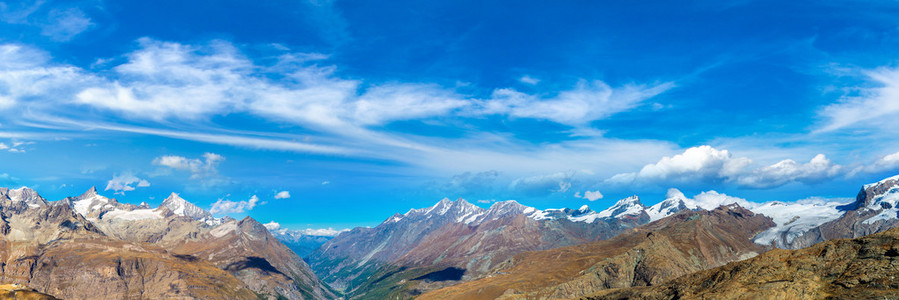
point(861, 268)
point(651, 254)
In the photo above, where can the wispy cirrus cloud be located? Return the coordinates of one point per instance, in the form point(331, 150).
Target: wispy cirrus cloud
point(876, 106)
point(203, 170)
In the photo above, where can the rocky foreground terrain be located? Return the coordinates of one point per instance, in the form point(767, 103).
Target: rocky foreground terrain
point(860, 268)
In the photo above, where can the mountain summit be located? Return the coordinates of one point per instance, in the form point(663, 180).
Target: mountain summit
point(181, 207)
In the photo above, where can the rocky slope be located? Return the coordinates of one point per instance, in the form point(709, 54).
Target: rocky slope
point(181, 246)
point(651, 254)
point(54, 249)
point(243, 248)
point(459, 235)
point(861, 268)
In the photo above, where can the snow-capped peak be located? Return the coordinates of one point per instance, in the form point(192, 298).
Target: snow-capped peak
point(24, 194)
point(885, 180)
point(675, 201)
point(584, 208)
point(624, 207)
point(91, 201)
point(181, 207)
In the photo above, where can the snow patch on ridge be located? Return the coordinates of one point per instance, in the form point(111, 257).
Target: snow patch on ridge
point(134, 215)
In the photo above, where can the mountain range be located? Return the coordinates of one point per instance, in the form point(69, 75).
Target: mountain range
point(455, 247)
point(80, 246)
point(706, 246)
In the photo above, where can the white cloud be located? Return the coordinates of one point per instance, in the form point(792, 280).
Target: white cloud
point(181, 85)
point(323, 231)
point(876, 106)
point(705, 164)
point(125, 182)
point(711, 199)
point(404, 101)
point(889, 162)
point(224, 206)
point(543, 185)
point(591, 195)
point(526, 79)
point(204, 170)
point(586, 102)
point(282, 195)
point(694, 164)
point(272, 226)
point(64, 24)
point(817, 170)
point(165, 80)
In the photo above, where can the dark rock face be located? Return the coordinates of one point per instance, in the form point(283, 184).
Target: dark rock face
point(861, 268)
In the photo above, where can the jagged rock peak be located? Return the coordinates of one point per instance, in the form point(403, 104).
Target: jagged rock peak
point(627, 206)
point(871, 192)
point(90, 192)
point(181, 207)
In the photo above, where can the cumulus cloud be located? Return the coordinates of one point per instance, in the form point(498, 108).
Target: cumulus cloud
point(876, 106)
point(705, 164)
point(817, 170)
point(272, 226)
point(225, 206)
point(282, 195)
point(589, 195)
point(712, 199)
point(700, 163)
point(125, 182)
point(204, 170)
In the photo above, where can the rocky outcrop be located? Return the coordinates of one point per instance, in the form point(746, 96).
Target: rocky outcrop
point(649, 254)
point(18, 291)
point(861, 268)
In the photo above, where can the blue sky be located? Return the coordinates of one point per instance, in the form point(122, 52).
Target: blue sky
point(359, 109)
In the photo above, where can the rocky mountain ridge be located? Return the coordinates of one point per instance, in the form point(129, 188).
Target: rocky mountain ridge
point(241, 258)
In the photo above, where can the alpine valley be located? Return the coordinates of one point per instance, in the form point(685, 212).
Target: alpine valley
point(709, 246)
